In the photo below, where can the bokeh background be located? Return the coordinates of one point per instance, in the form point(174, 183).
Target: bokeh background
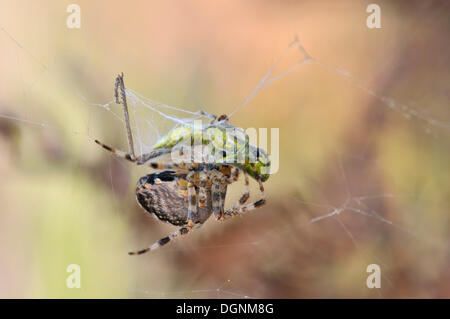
point(63, 200)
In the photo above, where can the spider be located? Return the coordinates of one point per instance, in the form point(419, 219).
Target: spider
point(200, 187)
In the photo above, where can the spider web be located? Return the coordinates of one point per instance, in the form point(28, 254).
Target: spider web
point(151, 119)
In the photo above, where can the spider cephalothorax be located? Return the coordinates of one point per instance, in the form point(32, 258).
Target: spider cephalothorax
point(187, 193)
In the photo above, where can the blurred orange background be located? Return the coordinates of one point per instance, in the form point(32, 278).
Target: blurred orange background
point(66, 201)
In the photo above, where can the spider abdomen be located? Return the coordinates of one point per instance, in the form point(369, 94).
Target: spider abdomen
point(159, 194)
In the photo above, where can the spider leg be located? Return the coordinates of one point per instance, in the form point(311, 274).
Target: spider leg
point(182, 231)
point(190, 225)
point(156, 165)
point(216, 194)
point(223, 193)
point(233, 178)
point(202, 191)
point(245, 196)
point(242, 209)
point(219, 191)
point(239, 208)
point(139, 160)
point(144, 158)
point(117, 152)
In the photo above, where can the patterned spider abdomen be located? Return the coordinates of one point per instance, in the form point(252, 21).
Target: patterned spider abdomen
point(160, 194)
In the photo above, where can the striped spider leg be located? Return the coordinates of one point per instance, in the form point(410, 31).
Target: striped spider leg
point(239, 207)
